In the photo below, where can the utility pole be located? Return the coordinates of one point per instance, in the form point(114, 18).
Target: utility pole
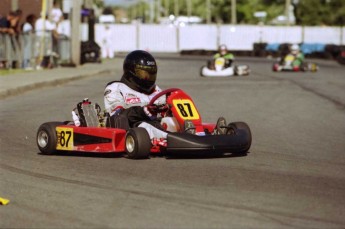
point(233, 12)
point(152, 11)
point(158, 12)
point(176, 8)
point(75, 36)
point(166, 8)
point(14, 5)
point(287, 11)
point(189, 8)
point(88, 4)
point(208, 11)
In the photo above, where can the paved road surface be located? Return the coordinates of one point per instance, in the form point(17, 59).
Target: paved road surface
point(293, 176)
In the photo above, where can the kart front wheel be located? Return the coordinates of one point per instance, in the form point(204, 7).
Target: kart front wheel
point(46, 137)
point(138, 143)
point(234, 127)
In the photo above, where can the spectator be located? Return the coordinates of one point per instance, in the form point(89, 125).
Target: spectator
point(16, 21)
point(28, 48)
point(8, 26)
point(43, 24)
point(47, 41)
point(29, 25)
point(64, 27)
point(56, 14)
point(108, 50)
point(6, 23)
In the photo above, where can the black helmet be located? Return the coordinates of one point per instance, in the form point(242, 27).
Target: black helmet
point(222, 49)
point(140, 71)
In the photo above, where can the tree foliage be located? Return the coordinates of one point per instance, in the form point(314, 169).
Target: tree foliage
point(307, 12)
point(323, 12)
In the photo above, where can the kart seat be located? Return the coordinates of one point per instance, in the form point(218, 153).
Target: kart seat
point(89, 113)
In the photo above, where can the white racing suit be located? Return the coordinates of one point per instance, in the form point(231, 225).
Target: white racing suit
point(125, 107)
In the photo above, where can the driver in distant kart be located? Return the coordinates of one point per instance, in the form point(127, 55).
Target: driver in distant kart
point(298, 56)
point(127, 100)
point(224, 53)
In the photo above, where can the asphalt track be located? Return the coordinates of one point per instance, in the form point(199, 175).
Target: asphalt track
point(292, 177)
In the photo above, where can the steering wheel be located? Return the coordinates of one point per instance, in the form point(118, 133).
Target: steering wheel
point(167, 91)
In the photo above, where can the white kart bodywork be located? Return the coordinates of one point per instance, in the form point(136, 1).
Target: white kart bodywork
point(220, 71)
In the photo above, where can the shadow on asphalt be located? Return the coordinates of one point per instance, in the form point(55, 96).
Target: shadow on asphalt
point(84, 154)
point(182, 155)
point(168, 156)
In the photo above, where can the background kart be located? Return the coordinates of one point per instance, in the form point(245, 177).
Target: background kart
point(286, 65)
point(216, 68)
point(92, 137)
point(341, 57)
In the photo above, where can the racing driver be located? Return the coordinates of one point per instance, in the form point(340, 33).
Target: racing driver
point(127, 100)
point(298, 55)
point(223, 52)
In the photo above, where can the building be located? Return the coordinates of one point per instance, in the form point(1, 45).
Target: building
point(27, 6)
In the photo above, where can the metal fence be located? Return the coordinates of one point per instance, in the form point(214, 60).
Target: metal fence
point(28, 50)
point(33, 50)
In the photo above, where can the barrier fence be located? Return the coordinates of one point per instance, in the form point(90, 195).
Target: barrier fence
point(170, 38)
point(26, 50)
point(32, 50)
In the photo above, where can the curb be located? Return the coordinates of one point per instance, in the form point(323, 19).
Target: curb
point(22, 89)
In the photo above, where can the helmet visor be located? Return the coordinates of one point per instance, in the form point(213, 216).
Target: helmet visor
point(146, 74)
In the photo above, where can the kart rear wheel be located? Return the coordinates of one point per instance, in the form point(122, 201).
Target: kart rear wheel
point(313, 67)
point(201, 70)
point(234, 126)
point(46, 137)
point(138, 143)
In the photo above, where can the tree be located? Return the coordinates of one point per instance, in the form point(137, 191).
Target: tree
point(307, 12)
point(324, 12)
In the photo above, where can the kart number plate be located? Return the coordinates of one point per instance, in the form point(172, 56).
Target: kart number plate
point(289, 58)
point(64, 138)
point(220, 62)
point(186, 109)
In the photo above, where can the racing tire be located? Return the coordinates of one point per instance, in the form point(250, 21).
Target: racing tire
point(137, 143)
point(201, 69)
point(46, 137)
point(313, 67)
point(232, 127)
point(304, 67)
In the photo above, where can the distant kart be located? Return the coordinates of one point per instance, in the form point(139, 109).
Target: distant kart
point(217, 68)
point(286, 65)
point(92, 136)
point(341, 57)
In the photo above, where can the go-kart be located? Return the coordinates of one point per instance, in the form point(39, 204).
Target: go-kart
point(220, 68)
point(92, 136)
point(286, 64)
point(341, 57)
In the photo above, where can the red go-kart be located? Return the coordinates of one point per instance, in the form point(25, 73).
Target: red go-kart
point(93, 137)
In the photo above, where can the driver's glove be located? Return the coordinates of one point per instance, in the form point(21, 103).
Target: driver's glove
point(150, 111)
point(153, 110)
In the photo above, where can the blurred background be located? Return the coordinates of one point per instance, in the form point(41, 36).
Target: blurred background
point(263, 28)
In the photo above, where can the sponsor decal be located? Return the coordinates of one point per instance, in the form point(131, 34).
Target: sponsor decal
point(107, 92)
point(150, 62)
point(132, 99)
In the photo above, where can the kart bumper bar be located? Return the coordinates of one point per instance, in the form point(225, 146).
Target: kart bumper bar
point(183, 142)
